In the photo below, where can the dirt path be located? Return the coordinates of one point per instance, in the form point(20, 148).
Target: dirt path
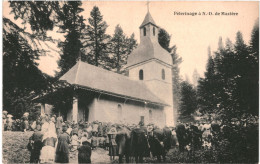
point(99, 155)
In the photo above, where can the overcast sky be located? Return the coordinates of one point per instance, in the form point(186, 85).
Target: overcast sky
point(191, 34)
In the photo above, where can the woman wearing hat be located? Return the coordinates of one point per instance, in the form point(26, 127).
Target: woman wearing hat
point(62, 151)
point(49, 140)
point(112, 142)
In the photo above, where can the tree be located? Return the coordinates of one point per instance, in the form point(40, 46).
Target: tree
point(22, 79)
point(188, 102)
point(120, 47)
point(164, 40)
point(96, 46)
point(39, 14)
point(206, 91)
point(131, 43)
point(72, 24)
point(246, 77)
point(254, 76)
point(195, 77)
point(231, 80)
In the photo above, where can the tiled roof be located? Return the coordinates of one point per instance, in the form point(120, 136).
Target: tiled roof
point(92, 77)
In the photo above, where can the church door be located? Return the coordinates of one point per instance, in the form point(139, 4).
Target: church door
point(142, 119)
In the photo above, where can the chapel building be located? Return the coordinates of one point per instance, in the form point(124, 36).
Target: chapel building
point(145, 95)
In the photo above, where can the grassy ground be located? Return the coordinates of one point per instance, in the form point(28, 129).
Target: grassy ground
point(15, 147)
point(15, 151)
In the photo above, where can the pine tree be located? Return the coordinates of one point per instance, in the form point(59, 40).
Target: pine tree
point(22, 79)
point(246, 70)
point(96, 46)
point(254, 75)
point(118, 45)
point(195, 77)
point(72, 24)
point(188, 102)
point(131, 43)
point(164, 40)
point(39, 15)
point(206, 88)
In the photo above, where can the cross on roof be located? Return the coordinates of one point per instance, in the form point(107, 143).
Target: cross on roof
point(147, 3)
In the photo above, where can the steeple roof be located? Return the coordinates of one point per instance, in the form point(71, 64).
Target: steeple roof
point(149, 47)
point(148, 19)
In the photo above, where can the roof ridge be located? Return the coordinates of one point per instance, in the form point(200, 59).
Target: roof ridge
point(117, 74)
point(76, 77)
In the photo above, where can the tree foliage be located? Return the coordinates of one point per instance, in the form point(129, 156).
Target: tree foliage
point(230, 86)
point(120, 47)
point(96, 44)
point(39, 14)
point(72, 24)
point(188, 101)
point(22, 79)
point(164, 40)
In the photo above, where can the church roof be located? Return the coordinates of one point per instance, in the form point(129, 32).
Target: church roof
point(95, 78)
point(148, 49)
point(148, 19)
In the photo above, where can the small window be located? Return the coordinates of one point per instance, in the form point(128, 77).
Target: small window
point(150, 115)
point(120, 112)
point(153, 31)
point(163, 74)
point(141, 74)
point(144, 31)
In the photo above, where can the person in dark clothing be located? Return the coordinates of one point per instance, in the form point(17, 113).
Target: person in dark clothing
point(84, 151)
point(36, 145)
point(62, 151)
point(182, 136)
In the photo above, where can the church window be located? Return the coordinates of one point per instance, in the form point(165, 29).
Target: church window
point(141, 74)
point(163, 74)
point(153, 31)
point(150, 115)
point(144, 31)
point(120, 112)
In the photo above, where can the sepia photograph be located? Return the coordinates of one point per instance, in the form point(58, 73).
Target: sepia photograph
point(130, 81)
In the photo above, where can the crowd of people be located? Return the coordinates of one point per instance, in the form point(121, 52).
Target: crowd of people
point(53, 138)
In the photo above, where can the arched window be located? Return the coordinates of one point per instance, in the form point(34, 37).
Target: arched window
point(141, 74)
point(163, 74)
point(153, 31)
point(120, 112)
point(144, 31)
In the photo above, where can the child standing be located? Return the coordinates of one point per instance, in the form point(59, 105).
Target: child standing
point(112, 143)
point(74, 141)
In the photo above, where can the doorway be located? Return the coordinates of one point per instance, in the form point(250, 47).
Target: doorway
point(86, 114)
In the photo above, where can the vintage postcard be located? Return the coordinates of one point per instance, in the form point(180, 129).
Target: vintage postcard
point(130, 81)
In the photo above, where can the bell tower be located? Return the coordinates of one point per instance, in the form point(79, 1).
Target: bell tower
point(152, 64)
